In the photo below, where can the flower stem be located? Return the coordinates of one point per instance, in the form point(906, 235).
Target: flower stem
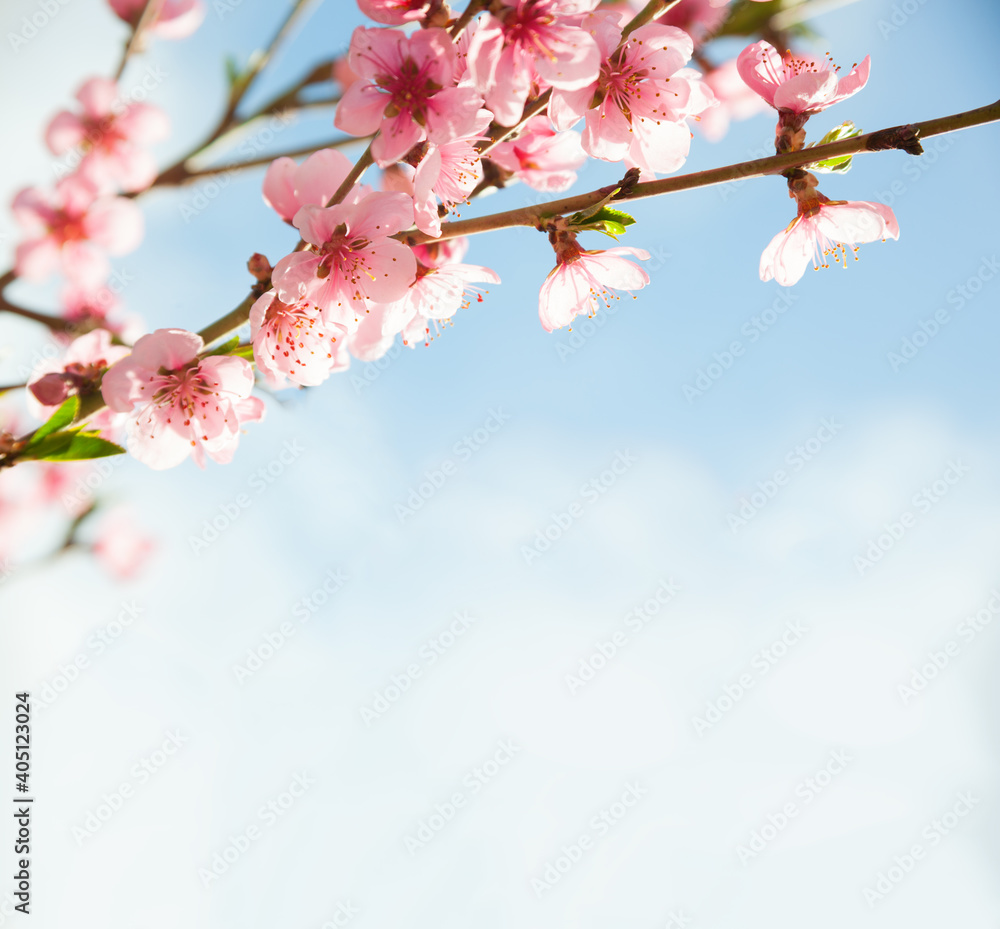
point(647, 14)
point(134, 43)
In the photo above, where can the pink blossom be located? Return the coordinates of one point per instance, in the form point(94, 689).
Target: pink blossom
point(353, 260)
point(187, 405)
point(532, 42)
point(113, 137)
point(439, 291)
point(798, 84)
point(448, 172)
point(394, 12)
point(120, 547)
point(736, 101)
point(369, 342)
point(176, 19)
point(288, 187)
point(698, 18)
point(541, 157)
point(292, 343)
point(637, 108)
point(581, 278)
point(826, 228)
point(79, 371)
point(408, 94)
point(72, 227)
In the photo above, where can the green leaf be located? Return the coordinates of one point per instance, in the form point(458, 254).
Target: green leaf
point(72, 446)
point(840, 164)
point(233, 71)
point(60, 418)
point(226, 348)
point(610, 222)
point(243, 351)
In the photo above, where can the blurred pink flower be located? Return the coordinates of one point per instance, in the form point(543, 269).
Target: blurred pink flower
point(827, 229)
point(736, 101)
point(187, 405)
point(289, 186)
point(394, 12)
point(72, 228)
point(176, 19)
point(112, 135)
point(541, 157)
point(121, 548)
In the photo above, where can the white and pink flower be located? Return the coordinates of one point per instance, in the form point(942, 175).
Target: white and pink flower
point(581, 279)
point(408, 93)
point(289, 186)
point(796, 83)
point(638, 106)
point(353, 260)
point(187, 405)
point(823, 232)
point(112, 135)
point(73, 229)
point(531, 45)
point(292, 343)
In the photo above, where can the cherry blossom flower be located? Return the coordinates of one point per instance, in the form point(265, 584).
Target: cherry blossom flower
point(120, 548)
point(448, 172)
point(698, 18)
point(289, 186)
point(394, 12)
point(736, 101)
point(541, 157)
point(441, 288)
point(187, 405)
point(581, 278)
point(176, 19)
point(532, 42)
point(112, 135)
point(369, 342)
point(408, 94)
point(798, 84)
point(638, 106)
point(353, 262)
point(79, 371)
point(828, 227)
point(292, 343)
point(72, 227)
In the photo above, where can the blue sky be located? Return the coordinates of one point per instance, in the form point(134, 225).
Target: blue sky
point(914, 447)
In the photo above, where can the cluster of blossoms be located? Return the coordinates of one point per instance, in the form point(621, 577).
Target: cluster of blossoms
point(514, 91)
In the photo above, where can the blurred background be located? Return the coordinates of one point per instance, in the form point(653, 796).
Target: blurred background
point(354, 685)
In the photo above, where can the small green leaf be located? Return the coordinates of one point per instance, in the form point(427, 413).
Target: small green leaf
point(72, 446)
point(233, 73)
point(60, 418)
point(841, 163)
point(243, 351)
point(226, 348)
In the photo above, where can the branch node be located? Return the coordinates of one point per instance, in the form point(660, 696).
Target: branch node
point(905, 137)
